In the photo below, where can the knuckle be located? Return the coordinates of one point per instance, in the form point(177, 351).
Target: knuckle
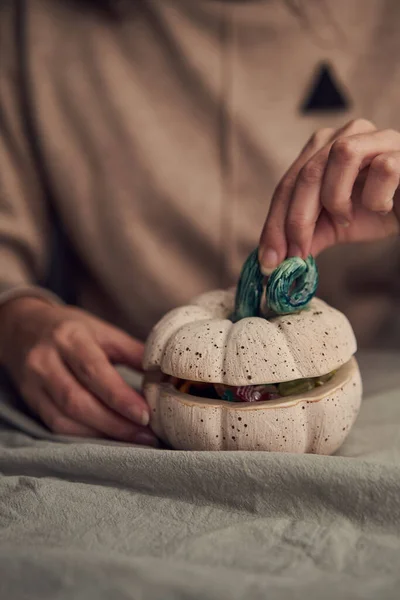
point(34, 361)
point(63, 332)
point(359, 125)
point(321, 136)
point(344, 150)
point(89, 371)
point(375, 204)
point(285, 186)
point(69, 332)
point(334, 205)
point(311, 173)
point(386, 166)
point(339, 211)
point(297, 223)
point(392, 133)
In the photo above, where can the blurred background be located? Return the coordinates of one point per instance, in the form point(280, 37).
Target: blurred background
point(152, 135)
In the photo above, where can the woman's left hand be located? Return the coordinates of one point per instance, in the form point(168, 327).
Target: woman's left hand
point(343, 187)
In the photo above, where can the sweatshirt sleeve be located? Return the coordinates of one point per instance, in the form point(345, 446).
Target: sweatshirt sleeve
point(24, 219)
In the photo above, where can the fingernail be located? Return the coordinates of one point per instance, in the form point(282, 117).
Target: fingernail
point(145, 418)
point(143, 438)
point(342, 221)
point(268, 261)
point(384, 213)
point(294, 250)
point(141, 417)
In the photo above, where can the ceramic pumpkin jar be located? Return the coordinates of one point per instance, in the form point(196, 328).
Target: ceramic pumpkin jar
point(226, 373)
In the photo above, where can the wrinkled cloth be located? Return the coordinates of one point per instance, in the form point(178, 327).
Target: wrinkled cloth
point(93, 521)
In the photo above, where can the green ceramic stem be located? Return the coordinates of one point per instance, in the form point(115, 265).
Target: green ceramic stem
point(289, 288)
point(249, 290)
point(292, 285)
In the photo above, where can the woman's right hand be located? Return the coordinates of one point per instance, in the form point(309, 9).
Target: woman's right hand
point(343, 187)
point(61, 360)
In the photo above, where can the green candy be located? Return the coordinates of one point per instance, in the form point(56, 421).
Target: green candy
point(298, 386)
point(289, 288)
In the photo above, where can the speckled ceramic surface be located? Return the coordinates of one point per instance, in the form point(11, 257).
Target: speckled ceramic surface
point(316, 422)
point(200, 343)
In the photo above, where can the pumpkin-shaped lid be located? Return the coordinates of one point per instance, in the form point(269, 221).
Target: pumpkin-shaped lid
point(199, 342)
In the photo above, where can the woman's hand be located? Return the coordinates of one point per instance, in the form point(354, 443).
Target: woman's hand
point(343, 187)
point(61, 359)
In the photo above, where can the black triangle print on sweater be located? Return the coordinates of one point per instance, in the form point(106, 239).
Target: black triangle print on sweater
point(326, 94)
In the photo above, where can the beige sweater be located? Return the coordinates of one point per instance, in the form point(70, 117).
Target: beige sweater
point(158, 133)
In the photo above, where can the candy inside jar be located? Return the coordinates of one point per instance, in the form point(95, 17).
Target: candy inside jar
point(247, 393)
